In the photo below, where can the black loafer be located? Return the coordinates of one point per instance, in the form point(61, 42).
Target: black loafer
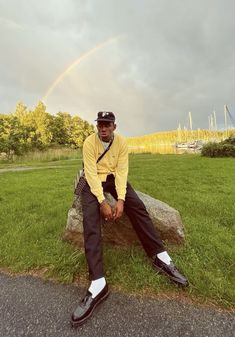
point(171, 271)
point(87, 306)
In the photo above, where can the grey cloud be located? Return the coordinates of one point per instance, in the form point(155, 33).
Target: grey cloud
point(172, 57)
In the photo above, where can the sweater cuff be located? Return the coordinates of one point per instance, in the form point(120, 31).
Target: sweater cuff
point(101, 198)
point(122, 195)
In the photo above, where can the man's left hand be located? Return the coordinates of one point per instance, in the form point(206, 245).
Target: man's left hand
point(118, 209)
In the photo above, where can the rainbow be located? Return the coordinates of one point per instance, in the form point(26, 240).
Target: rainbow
point(75, 63)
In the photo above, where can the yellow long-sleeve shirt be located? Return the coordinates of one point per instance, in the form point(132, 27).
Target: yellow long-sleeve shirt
point(115, 162)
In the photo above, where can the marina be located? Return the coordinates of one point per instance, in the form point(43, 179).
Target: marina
point(186, 139)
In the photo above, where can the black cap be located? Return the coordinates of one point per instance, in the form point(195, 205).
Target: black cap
point(105, 116)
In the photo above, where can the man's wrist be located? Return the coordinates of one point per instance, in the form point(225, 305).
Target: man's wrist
point(102, 202)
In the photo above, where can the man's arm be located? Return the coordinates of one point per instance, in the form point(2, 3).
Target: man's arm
point(121, 179)
point(121, 171)
point(90, 170)
point(93, 180)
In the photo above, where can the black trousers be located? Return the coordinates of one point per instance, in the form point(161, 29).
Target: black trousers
point(135, 210)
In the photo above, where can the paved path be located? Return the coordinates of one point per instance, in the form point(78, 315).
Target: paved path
point(28, 168)
point(32, 307)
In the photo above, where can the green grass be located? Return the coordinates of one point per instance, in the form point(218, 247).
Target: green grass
point(50, 156)
point(33, 213)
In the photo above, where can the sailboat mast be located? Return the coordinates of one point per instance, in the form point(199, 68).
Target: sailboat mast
point(209, 121)
point(225, 120)
point(190, 121)
point(212, 122)
point(179, 133)
point(215, 122)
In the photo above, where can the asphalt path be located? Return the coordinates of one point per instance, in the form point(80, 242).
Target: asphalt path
point(30, 306)
point(28, 168)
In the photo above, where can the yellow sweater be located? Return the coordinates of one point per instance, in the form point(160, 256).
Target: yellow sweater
point(115, 162)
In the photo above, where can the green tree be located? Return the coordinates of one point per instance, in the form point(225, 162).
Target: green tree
point(25, 130)
point(80, 131)
point(21, 112)
point(35, 124)
point(61, 128)
point(41, 120)
point(12, 136)
point(70, 131)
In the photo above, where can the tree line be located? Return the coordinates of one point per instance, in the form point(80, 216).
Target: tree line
point(27, 130)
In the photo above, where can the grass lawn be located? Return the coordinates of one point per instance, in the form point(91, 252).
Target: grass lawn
point(33, 213)
point(47, 157)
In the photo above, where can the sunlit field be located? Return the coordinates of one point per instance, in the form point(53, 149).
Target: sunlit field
point(33, 213)
point(38, 157)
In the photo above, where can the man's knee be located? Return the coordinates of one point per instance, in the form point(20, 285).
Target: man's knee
point(90, 204)
point(133, 200)
point(87, 197)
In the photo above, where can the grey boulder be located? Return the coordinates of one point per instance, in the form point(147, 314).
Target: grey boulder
point(165, 219)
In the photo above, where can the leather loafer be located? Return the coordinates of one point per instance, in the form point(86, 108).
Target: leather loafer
point(171, 271)
point(87, 306)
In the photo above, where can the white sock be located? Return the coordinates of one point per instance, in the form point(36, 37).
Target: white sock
point(96, 286)
point(164, 257)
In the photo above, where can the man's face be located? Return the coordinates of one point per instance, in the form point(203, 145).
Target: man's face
point(105, 130)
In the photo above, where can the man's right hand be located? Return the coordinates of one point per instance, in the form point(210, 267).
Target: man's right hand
point(106, 211)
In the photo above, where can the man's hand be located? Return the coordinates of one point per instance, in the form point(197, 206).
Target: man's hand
point(118, 209)
point(106, 210)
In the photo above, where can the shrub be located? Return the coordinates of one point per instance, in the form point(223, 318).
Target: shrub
point(230, 140)
point(225, 148)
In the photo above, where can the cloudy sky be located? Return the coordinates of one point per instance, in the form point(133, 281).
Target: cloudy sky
point(151, 62)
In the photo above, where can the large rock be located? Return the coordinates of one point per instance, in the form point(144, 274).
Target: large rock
point(166, 220)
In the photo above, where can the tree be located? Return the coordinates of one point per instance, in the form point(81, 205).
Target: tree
point(35, 124)
point(21, 112)
point(41, 122)
point(12, 136)
point(61, 128)
point(25, 130)
point(70, 131)
point(80, 131)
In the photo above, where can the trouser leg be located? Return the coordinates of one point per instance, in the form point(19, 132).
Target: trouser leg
point(92, 233)
point(140, 220)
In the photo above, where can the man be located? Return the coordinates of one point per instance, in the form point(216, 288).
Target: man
point(109, 174)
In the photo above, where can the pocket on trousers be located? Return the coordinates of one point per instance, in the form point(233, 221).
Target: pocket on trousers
point(80, 185)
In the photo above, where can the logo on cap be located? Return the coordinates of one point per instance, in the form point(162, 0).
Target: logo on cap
point(105, 113)
point(106, 116)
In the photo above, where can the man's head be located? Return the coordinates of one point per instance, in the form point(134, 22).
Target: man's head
point(105, 125)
